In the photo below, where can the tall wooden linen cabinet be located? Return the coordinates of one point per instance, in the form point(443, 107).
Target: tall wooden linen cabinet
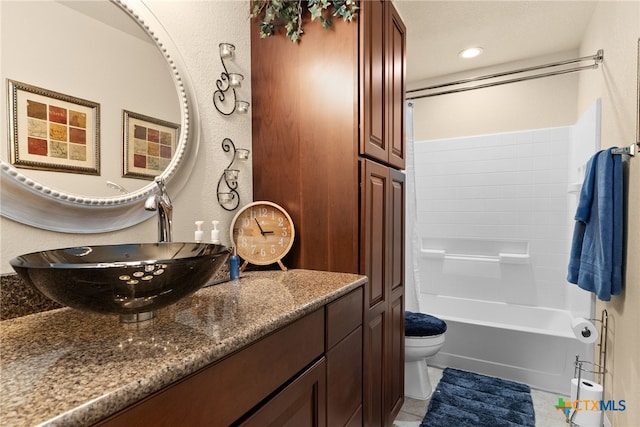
point(328, 145)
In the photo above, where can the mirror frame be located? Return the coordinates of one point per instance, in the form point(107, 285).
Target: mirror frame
point(29, 202)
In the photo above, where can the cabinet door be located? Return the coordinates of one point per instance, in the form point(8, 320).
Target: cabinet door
point(374, 264)
point(395, 373)
point(344, 379)
point(373, 115)
point(396, 224)
point(382, 76)
point(395, 62)
point(344, 360)
point(300, 404)
point(374, 358)
point(382, 204)
point(374, 205)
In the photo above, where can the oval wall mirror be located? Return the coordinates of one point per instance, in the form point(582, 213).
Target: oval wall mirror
point(113, 54)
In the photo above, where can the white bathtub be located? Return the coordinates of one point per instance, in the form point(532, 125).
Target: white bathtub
point(527, 344)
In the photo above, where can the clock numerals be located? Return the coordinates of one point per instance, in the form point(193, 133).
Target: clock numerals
point(263, 233)
point(264, 212)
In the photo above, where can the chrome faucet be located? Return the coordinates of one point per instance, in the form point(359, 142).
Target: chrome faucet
point(162, 203)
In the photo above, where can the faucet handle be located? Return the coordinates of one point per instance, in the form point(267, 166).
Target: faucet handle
point(164, 195)
point(159, 182)
point(162, 203)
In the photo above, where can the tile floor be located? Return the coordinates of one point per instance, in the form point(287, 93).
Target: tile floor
point(547, 415)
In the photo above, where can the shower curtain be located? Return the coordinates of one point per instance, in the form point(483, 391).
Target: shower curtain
point(412, 247)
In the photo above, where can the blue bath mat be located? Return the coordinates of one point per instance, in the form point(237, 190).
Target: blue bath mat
point(466, 399)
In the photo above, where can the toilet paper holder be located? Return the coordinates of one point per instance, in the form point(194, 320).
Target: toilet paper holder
point(579, 370)
point(597, 369)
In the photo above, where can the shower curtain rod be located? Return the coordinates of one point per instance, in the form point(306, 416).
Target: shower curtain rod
point(597, 58)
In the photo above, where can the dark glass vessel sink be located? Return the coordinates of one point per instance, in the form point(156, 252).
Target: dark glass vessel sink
point(131, 280)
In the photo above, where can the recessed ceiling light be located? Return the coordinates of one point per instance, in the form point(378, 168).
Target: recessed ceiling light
point(471, 52)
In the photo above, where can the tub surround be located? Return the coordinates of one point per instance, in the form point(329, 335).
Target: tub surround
point(66, 367)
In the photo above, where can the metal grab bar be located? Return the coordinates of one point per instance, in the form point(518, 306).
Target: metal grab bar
point(502, 257)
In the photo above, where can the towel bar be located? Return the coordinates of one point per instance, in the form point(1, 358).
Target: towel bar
point(630, 150)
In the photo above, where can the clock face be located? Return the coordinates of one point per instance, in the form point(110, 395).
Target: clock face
point(262, 233)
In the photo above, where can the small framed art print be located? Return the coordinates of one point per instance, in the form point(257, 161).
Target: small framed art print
point(149, 145)
point(52, 131)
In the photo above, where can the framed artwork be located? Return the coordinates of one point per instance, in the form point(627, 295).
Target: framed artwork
point(53, 131)
point(149, 145)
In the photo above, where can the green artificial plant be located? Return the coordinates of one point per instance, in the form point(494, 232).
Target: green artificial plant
point(289, 14)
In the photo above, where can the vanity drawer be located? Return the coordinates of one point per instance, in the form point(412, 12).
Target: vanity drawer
point(220, 394)
point(301, 404)
point(343, 316)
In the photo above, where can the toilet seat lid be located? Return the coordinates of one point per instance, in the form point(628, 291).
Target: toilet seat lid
point(423, 325)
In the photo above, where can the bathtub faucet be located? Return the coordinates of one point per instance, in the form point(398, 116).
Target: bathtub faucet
point(161, 203)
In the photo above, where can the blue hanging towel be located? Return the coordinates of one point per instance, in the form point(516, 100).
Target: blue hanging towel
point(595, 263)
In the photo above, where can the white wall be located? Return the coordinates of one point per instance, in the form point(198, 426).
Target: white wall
point(196, 28)
point(615, 27)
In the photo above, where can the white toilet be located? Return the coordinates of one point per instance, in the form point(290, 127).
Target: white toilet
point(424, 337)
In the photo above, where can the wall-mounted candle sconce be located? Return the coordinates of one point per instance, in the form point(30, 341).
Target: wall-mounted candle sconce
point(228, 81)
point(228, 196)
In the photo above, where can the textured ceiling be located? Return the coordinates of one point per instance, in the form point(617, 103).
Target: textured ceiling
point(507, 30)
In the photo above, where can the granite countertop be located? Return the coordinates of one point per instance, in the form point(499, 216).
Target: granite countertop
point(71, 368)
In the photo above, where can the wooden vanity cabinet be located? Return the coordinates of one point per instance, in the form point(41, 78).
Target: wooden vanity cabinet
point(307, 373)
point(338, 374)
point(328, 144)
